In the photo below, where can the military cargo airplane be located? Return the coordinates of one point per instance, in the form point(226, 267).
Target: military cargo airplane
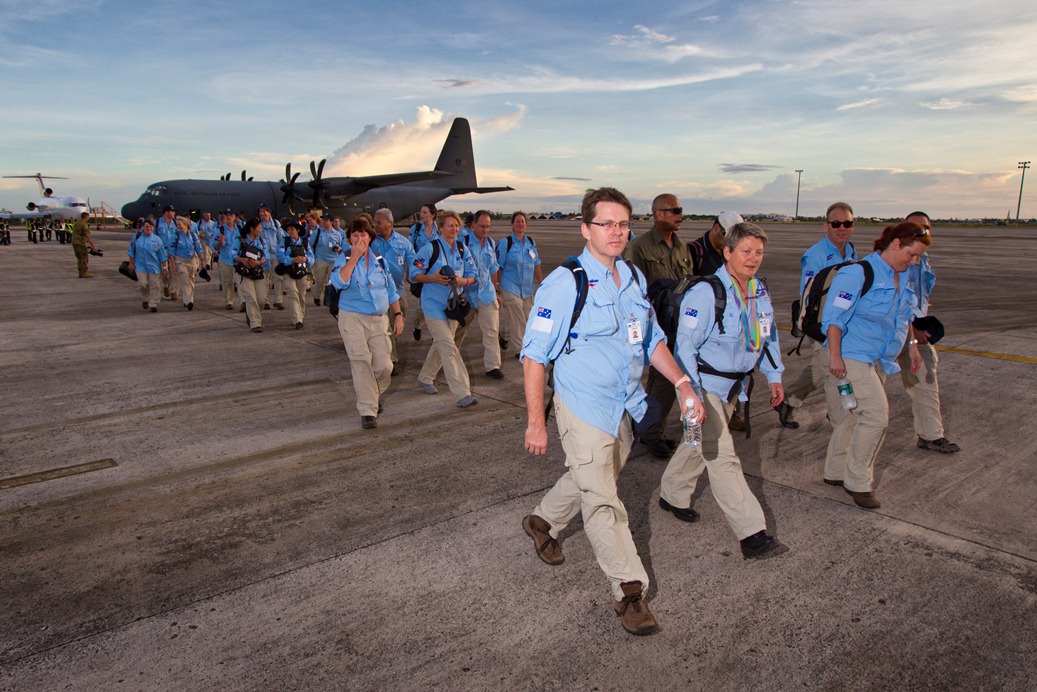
point(62, 207)
point(403, 193)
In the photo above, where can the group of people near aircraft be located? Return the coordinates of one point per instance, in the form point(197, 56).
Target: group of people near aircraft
point(595, 320)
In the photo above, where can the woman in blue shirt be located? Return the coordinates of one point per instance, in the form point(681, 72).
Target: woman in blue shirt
point(186, 255)
point(252, 261)
point(866, 331)
point(452, 269)
point(366, 292)
point(149, 260)
point(295, 259)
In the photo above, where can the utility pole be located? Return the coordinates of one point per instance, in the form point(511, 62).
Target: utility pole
point(1024, 165)
point(799, 177)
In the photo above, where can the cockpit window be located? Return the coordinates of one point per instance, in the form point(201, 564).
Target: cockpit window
point(157, 190)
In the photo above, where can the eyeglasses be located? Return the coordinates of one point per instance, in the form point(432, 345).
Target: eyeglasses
point(840, 224)
point(675, 210)
point(612, 225)
point(917, 233)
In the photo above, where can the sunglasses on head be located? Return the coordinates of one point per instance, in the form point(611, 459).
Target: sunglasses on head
point(841, 224)
point(917, 233)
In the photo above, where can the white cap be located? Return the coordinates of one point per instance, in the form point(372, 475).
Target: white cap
point(728, 220)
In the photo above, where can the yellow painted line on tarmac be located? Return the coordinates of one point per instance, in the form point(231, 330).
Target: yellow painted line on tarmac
point(970, 352)
point(987, 354)
point(51, 474)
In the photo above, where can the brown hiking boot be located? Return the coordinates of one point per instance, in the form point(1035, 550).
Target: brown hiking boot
point(633, 610)
point(547, 548)
point(867, 500)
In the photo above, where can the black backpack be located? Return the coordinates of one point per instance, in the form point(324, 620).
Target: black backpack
point(807, 312)
point(666, 296)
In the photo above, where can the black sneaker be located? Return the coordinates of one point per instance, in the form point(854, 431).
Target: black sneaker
point(761, 546)
point(368, 422)
point(941, 444)
point(190, 306)
point(495, 374)
point(417, 335)
point(503, 342)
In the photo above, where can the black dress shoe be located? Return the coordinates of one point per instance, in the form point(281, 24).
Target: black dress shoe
point(787, 415)
point(368, 422)
point(689, 515)
point(761, 546)
point(502, 342)
point(495, 374)
point(417, 335)
point(658, 448)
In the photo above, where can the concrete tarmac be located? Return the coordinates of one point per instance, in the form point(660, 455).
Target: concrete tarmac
point(188, 505)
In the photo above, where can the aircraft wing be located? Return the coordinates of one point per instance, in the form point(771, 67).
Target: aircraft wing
point(480, 190)
point(359, 185)
point(23, 215)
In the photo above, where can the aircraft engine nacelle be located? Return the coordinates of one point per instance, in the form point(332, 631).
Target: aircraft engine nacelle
point(31, 206)
point(48, 192)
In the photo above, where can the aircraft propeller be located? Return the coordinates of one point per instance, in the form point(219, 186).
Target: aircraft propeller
point(317, 172)
point(288, 188)
point(243, 179)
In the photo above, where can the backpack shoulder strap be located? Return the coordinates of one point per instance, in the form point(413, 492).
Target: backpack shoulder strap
point(869, 276)
point(580, 277)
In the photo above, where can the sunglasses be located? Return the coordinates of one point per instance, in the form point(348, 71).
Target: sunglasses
point(675, 210)
point(917, 233)
point(841, 224)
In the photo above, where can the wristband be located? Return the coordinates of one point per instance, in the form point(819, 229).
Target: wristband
point(681, 381)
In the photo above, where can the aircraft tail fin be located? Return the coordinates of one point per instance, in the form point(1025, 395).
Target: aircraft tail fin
point(457, 157)
point(39, 178)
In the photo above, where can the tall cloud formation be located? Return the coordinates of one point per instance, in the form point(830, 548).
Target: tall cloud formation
point(404, 146)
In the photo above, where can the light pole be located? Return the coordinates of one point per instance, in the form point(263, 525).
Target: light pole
point(799, 177)
point(1024, 165)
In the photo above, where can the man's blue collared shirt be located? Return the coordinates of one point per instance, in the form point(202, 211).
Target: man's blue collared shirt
point(370, 290)
point(517, 265)
point(822, 254)
point(921, 278)
point(397, 252)
point(874, 325)
point(485, 257)
point(599, 375)
point(166, 230)
point(272, 233)
point(699, 337)
point(207, 232)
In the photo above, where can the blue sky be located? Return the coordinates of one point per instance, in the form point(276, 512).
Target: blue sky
point(887, 105)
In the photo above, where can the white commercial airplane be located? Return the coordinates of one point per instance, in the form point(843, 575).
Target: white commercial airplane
point(62, 207)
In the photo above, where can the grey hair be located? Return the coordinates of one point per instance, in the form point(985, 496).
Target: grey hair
point(741, 231)
point(387, 213)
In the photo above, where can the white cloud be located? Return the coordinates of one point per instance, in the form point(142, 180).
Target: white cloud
point(946, 104)
point(857, 104)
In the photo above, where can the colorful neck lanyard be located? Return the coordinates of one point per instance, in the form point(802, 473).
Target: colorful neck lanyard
point(750, 324)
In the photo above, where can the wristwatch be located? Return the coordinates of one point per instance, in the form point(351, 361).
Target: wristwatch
point(397, 314)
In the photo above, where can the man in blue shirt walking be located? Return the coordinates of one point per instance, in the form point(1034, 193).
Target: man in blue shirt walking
point(598, 395)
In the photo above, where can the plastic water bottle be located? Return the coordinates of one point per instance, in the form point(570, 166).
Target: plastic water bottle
point(692, 430)
point(846, 394)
